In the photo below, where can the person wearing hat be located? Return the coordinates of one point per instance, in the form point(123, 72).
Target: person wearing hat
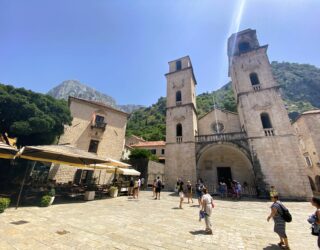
point(189, 192)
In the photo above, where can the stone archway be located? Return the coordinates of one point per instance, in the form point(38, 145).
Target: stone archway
point(216, 161)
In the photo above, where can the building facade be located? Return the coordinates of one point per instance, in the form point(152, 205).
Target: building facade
point(307, 127)
point(256, 146)
point(95, 128)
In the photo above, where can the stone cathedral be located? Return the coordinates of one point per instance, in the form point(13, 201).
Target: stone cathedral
point(256, 146)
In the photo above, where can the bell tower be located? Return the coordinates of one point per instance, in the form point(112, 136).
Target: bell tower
point(181, 122)
point(264, 117)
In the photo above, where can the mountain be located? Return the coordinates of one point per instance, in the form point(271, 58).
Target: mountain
point(300, 88)
point(77, 89)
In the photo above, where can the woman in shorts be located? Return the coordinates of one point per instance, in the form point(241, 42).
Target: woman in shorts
point(189, 192)
point(180, 190)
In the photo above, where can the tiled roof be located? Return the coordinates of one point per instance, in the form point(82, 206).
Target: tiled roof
point(149, 144)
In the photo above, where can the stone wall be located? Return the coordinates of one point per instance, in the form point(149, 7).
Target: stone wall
point(229, 120)
point(180, 163)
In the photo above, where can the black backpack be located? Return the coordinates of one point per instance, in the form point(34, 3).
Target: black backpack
point(159, 184)
point(285, 213)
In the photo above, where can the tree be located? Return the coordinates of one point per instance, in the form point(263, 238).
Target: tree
point(32, 118)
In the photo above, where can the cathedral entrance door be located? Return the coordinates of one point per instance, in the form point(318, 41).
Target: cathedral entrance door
point(224, 174)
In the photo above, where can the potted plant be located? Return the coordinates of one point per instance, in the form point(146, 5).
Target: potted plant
point(4, 203)
point(52, 194)
point(91, 191)
point(113, 191)
point(45, 201)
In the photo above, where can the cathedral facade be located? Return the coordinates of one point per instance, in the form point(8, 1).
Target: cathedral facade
point(256, 146)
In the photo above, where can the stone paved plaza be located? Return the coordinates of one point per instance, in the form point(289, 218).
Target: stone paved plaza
point(123, 223)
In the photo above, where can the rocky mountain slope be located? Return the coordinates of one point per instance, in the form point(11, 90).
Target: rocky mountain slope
point(78, 89)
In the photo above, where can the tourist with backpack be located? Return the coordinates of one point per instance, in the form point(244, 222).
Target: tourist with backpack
point(158, 188)
point(280, 214)
point(314, 219)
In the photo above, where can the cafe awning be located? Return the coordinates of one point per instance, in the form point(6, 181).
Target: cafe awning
point(7, 151)
point(128, 171)
point(115, 163)
point(61, 154)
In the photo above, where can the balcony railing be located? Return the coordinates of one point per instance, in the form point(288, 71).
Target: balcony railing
point(256, 87)
point(179, 139)
point(222, 137)
point(99, 125)
point(268, 132)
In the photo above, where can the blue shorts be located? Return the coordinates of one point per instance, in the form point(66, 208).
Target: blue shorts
point(199, 194)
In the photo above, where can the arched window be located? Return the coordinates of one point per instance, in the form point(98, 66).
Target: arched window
point(244, 47)
point(265, 119)
point(178, 96)
point(254, 79)
point(179, 129)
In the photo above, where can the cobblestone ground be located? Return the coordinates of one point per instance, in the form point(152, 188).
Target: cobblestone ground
point(123, 223)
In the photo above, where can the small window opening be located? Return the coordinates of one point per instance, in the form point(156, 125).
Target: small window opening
point(254, 79)
point(178, 96)
point(178, 65)
point(244, 47)
point(93, 147)
point(266, 123)
point(179, 130)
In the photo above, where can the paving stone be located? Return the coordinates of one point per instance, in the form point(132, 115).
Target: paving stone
point(151, 224)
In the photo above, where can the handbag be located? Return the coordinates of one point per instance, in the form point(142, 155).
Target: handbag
point(315, 229)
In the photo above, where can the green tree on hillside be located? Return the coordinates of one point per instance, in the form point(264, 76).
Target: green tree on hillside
point(32, 118)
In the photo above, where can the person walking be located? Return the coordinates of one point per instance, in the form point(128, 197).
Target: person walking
point(180, 191)
point(154, 186)
point(135, 189)
point(189, 191)
point(138, 189)
point(316, 223)
point(131, 185)
point(279, 222)
point(142, 183)
point(199, 188)
point(207, 205)
point(238, 190)
point(158, 188)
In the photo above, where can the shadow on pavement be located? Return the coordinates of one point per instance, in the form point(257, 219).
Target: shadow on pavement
point(272, 247)
point(197, 232)
point(177, 208)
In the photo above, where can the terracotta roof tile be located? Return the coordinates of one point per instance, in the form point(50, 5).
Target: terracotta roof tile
point(149, 144)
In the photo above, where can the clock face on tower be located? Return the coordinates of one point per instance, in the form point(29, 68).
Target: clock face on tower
point(217, 127)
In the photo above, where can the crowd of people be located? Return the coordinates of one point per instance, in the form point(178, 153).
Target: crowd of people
point(279, 213)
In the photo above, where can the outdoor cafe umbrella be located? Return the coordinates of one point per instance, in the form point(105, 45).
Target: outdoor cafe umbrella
point(115, 163)
point(7, 151)
point(61, 154)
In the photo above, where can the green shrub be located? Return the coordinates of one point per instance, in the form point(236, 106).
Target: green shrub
point(45, 201)
point(4, 203)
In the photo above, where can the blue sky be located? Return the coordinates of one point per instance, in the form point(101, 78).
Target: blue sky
point(121, 47)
